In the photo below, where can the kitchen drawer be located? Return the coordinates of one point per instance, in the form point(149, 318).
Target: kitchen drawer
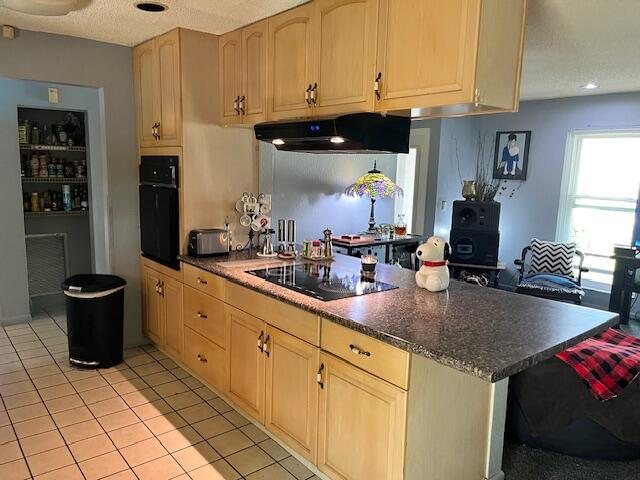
point(204, 314)
point(204, 281)
point(376, 357)
point(287, 318)
point(206, 359)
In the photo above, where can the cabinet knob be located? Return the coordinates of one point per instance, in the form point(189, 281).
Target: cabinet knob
point(241, 105)
point(307, 95)
point(319, 376)
point(202, 315)
point(314, 94)
point(357, 351)
point(376, 85)
point(201, 281)
point(202, 358)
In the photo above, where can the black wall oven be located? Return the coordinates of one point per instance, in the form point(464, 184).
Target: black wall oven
point(159, 209)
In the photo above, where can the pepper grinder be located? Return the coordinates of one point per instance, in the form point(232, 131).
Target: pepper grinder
point(291, 235)
point(282, 239)
point(327, 244)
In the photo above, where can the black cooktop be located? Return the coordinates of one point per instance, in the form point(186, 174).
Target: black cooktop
point(324, 282)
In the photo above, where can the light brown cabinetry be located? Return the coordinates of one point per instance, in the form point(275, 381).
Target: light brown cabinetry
point(454, 57)
point(156, 68)
point(361, 423)
point(245, 343)
point(345, 55)
point(230, 54)
point(291, 63)
point(292, 391)
point(243, 66)
point(162, 310)
point(206, 358)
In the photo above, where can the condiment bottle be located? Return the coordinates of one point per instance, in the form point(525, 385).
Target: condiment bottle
point(35, 202)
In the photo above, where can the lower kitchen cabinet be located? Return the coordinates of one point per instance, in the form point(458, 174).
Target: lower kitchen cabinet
point(162, 310)
point(171, 293)
point(205, 358)
point(152, 306)
point(361, 423)
point(245, 342)
point(292, 391)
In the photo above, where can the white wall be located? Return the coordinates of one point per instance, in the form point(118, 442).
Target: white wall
point(74, 61)
point(533, 211)
point(310, 189)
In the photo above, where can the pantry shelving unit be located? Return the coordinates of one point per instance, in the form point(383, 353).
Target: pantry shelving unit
point(54, 233)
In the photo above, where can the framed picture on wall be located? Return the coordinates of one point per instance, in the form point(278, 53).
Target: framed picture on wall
point(511, 157)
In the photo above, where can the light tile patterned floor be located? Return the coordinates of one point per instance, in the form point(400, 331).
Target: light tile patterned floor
point(144, 419)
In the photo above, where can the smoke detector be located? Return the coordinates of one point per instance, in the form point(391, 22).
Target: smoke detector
point(42, 7)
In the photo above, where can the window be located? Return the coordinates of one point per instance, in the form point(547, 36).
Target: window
point(600, 188)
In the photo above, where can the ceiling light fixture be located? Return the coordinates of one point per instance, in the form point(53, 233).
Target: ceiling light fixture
point(589, 86)
point(337, 140)
point(49, 8)
point(152, 7)
point(277, 141)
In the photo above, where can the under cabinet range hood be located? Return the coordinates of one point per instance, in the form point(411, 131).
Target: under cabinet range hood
point(353, 133)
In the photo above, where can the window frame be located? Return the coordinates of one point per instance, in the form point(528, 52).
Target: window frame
point(568, 187)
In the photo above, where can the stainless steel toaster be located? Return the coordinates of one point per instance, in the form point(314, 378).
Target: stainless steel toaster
point(209, 241)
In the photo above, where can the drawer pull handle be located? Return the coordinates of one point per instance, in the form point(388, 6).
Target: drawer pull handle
point(260, 341)
point(202, 358)
point(201, 281)
point(265, 345)
point(202, 315)
point(319, 376)
point(357, 351)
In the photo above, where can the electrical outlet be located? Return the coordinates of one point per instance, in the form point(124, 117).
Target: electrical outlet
point(53, 95)
point(8, 32)
point(443, 205)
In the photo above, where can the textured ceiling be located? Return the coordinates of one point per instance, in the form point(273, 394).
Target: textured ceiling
point(118, 21)
point(568, 42)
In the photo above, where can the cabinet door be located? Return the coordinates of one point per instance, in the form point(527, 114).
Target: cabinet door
point(426, 52)
point(206, 359)
point(230, 54)
point(153, 317)
point(144, 84)
point(345, 55)
point(174, 325)
point(254, 72)
point(290, 63)
point(292, 391)
point(361, 424)
point(246, 361)
point(168, 91)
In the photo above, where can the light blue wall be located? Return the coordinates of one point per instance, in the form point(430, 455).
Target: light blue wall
point(533, 211)
point(310, 189)
point(14, 294)
point(109, 69)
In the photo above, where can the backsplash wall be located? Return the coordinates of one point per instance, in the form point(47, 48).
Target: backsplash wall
point(310, 189)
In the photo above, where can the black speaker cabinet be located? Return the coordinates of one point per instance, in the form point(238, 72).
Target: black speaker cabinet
point(472, 215)
point(474, 246)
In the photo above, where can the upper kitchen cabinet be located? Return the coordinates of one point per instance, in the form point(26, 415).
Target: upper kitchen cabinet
point(290, 63)
point(449, 58)
point(230, 54)
point(254, 72)
point(345, 36)
point(243, 72)
point(156, 67)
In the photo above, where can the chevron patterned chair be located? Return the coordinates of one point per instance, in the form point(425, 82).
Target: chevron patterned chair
point(551, 272)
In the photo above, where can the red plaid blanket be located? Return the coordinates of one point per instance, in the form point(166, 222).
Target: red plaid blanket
point(608, 362)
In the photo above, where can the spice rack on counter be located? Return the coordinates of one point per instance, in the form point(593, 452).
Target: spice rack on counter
point(56, 148)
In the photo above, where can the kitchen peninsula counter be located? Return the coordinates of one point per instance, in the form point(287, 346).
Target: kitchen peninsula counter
point(487, 333)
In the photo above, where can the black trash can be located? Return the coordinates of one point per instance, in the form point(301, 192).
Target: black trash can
point(95, 311)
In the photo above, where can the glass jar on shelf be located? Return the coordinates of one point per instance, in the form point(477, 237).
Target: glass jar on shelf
point(400, 227)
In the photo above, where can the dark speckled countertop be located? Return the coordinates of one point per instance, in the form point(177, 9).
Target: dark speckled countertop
point(488, 333)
